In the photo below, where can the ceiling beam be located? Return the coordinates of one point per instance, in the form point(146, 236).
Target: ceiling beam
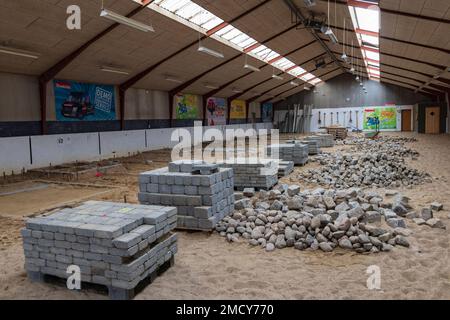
point(130, 82)
point(198, 77)
point(399, 57)
point(375, 34)
point(295, 10)
point(285, 83)
point(400, 13)
point(278, 95)
point(51, 72)
point(220, 88)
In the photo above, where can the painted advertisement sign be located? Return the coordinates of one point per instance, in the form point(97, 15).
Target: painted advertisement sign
point(386, 116)
point(76, 101)
point(238, 109)
point(267, 109)
point(186, 106)
point(216, 111)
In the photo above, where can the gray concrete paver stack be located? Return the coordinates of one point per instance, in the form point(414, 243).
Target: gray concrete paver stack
point(114, 244)
point(203, 193)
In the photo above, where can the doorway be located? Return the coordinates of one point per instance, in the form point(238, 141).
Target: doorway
point(406, 120)
point(432, 120)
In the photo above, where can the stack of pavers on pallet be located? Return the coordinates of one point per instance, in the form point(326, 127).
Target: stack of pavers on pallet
point(285, 168)
point(327, 140)
point(203, 193)
point(324, 140)
point(313, 146)
point(261, 174)
point(301, 151)
point(114, 244)
point(338, 133)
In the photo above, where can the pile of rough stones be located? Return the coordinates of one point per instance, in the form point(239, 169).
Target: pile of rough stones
point(323, 219)
point(369, 163)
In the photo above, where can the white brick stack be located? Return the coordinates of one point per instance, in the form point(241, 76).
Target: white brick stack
point(290, 151)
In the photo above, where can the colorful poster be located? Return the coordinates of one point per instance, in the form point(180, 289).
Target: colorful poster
point(75, 101)
point(216, 111)
point(238, 109)
point(385, 116)
point(267, 109)
point(186, 106)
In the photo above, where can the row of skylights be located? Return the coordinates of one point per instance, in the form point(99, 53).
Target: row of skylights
point(205, 22)
point(366, 21)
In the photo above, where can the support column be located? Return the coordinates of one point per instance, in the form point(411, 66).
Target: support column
point(228, 111)
point(43, 103)
point(122, 108)
point(204, 102)
point(171, 96)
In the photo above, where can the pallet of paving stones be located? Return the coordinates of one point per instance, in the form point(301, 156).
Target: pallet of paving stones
point(117, 245)
point(313, 146)
point(285, 168)
point(202, 193)
point(261, 174)
point(323, 140)
point(292, 150)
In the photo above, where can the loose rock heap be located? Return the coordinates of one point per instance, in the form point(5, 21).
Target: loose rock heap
point(319, 219)
point(369, 163)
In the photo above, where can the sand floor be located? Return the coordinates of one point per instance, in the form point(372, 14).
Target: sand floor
point(207, 267)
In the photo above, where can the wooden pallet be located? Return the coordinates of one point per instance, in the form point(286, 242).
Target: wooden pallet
point(113, 293)
point(339, 133)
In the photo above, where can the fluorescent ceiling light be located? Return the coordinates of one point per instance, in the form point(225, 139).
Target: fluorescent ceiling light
point(250, 67)
point(236, 90)
point(211, 52)
point(19, 52)
point(294, 83)
point(352, 69)
point(210, 86)
point(173, 79)
point(277, 77)
point(310, 3)
point(113, 70)
point(126, 21)
point(306, 88)
point(333, 37)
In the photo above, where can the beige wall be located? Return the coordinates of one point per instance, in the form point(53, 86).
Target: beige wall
point(19, 98)
point(146, 104)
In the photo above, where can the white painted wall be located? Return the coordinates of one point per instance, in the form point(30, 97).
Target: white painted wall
point(67, 148)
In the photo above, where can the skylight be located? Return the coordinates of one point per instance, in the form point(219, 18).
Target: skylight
point(197, 17)
point(367, 21)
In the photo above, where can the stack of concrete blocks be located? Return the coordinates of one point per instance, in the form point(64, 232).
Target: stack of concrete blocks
point(292, 150)
point(327, 140)
point(203, 193)
point(285, 168)
point(313, 146)
point(113, 244)
point(255, 173)
point(323, 140)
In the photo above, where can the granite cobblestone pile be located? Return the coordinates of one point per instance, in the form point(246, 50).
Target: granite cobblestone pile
point(114, 244)
point(352, 219)
point(202, 193)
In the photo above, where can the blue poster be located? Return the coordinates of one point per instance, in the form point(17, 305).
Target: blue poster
point(75, 101)
point(267, 109)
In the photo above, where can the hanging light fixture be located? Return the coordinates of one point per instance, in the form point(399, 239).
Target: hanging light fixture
point(344, 55)
point(124, 20)
point(275, 76)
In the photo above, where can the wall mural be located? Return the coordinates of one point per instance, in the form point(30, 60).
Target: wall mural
point(76, 101)
point(186, 106)
point(216, 111)
point(267, 112)
point(238, 109)
point(387, 117)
